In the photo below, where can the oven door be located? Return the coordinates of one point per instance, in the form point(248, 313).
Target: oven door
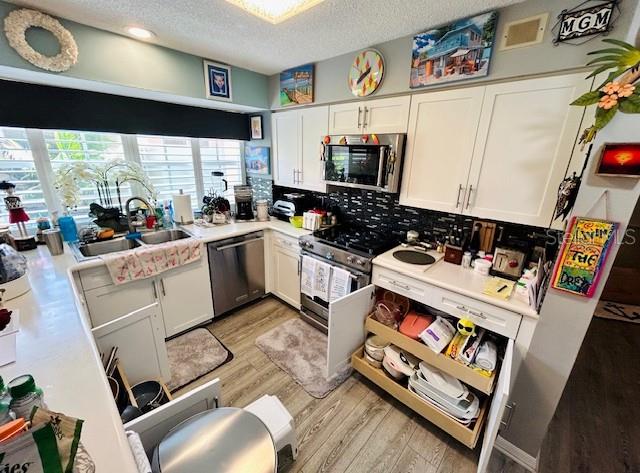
point(315, 310)
point(361, 166)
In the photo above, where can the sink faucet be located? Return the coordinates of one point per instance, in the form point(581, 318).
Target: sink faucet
point(129, 219)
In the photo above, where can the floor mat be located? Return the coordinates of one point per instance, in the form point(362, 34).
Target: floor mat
point(618, 311)
point(194, 354)
point(301, 351)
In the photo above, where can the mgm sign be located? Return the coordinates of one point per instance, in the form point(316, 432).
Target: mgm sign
point(574, 24)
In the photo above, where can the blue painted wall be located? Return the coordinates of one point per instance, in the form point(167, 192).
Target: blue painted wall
point(109, 57)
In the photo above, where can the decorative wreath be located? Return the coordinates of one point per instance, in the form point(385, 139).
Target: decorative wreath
point(19, 21)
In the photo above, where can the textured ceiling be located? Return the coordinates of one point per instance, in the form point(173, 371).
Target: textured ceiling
point(217, 30)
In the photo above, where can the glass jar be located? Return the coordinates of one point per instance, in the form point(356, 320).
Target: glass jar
point(5, 413)
point(25, 395)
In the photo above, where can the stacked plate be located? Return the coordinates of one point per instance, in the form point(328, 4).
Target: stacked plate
point(445, 393)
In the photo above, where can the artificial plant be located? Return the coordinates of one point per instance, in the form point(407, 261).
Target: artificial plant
point(619, 92)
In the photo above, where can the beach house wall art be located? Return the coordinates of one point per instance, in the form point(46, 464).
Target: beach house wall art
point(296, 86)
point(457, 51)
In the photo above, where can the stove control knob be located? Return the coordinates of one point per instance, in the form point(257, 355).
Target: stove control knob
point(351, 260)
point(329, 256)
point(359, 262)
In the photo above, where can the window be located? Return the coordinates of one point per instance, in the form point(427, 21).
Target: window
point(18, 167)
point(65, 147)
point(168, 161)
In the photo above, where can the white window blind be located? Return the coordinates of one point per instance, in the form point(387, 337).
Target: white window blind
point(168, 161)
point(17, 166)
point(224, 156)
point(91, 148)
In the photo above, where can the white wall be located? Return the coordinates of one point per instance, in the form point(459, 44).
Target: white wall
point(564, 319)
point(331, 74)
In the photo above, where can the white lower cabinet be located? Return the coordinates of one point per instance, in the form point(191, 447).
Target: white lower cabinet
point(109, 302)
point(349, 325)
point(139, 337)
point(185, 296)
point(285, 267)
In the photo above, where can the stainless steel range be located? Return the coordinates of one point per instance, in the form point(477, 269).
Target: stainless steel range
point(348, 247)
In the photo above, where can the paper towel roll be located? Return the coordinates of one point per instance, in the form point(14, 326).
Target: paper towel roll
point(182, 211)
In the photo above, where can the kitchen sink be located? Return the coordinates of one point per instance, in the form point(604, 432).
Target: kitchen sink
point(104, 247)
point(163, 236)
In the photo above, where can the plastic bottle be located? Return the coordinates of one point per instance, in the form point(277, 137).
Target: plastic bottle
point(68, 228)
point(25, 395)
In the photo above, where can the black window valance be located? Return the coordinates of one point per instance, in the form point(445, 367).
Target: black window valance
point(46, 107)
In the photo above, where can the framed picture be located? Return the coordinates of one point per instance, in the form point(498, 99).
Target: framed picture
point(620, 159)
point(256, 160)
point(584, 251)
point(296, 86)
point(217, 80)
point(256, 127)
point(457, 51)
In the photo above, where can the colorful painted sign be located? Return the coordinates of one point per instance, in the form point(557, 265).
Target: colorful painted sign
point(583, 254)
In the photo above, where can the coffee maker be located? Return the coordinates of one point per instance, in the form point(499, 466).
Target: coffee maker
point(244, 202)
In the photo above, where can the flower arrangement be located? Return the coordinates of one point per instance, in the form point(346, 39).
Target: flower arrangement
point(19, 21)
point(619, 92)
point(113, 173)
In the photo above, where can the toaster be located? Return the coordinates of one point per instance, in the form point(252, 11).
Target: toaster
point(508, 263)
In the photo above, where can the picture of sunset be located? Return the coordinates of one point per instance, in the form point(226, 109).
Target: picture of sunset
point(620, 159)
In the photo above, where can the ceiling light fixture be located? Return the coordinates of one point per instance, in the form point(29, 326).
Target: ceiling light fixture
point(139, 33)
point(275, 11)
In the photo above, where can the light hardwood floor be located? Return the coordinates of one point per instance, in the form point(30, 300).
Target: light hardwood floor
point(357, 428)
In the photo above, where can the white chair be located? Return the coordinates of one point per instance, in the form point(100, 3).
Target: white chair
point(276, 417)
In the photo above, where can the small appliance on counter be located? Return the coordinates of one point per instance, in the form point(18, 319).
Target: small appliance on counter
point(290, 205)
point(508, 262)
point(244, 202)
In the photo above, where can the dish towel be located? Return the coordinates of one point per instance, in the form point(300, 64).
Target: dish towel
point(321, 279)
point(307, 275)
point(149, 261)
point(340, 283)
point(487, 356)
point(142, 462)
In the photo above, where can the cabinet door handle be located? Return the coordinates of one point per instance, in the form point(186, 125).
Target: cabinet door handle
point(300, 177)
point(364, 121)
point(294, 175)
point(458, 198)
point(359, 114)
point(469, 196)
point(155, 290)
point(403, 286)
point(164, 293)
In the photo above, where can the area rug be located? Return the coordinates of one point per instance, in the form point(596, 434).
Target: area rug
point(194, 354)
point(301, 351)
point(618, 311)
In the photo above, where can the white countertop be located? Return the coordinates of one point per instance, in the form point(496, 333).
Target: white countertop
point(55, 345)
point(220, 232)
point(454, 278)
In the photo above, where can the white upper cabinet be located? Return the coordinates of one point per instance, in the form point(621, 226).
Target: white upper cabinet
point(371, 116)
point(284, 129)
point(496, 152)
point(440, 139)
point(313, 126)
point(296, 139)
point(525, 140)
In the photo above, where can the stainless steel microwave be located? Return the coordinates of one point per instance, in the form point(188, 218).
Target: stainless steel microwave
point(371, 162)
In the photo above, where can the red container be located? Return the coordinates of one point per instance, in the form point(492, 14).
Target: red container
point(414, 324)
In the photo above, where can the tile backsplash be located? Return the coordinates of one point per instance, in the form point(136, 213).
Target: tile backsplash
point(383, 212)
point(261, 188)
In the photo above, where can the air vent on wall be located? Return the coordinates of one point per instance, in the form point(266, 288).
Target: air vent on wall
point(525, 32)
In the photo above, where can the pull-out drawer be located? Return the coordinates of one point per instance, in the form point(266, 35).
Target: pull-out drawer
point(286, 242)
point(400, 284)
point(484, 315)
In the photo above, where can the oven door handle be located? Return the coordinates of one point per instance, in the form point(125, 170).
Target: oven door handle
point(352, 273)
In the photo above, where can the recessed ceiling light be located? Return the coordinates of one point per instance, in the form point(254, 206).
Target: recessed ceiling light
point(139, 33)
point(275, 11)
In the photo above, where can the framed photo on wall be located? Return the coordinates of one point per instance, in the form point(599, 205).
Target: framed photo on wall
point(217, 80)
point(257, 160)
point(620, 160)
point(256, 127)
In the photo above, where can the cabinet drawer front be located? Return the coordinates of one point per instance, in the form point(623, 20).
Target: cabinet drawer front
point(402, 285)
point(95, 277)
point(286, 242)
point(484, 315)
point(110, 302)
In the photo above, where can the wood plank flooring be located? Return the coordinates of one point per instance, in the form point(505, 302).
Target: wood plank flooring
point(357, 428)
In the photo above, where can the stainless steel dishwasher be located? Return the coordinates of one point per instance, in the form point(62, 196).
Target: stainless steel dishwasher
point(237, 271)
